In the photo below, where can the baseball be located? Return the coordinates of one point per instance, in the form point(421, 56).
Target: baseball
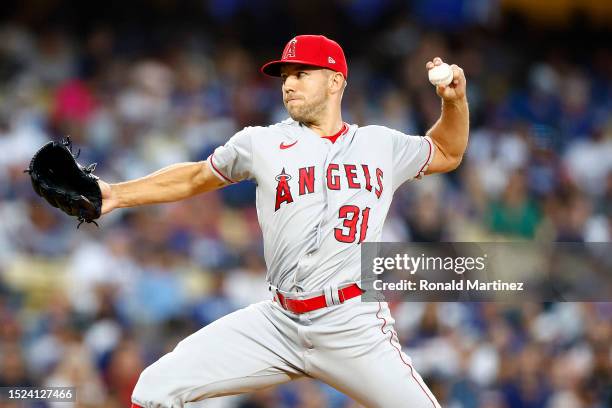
point(441, 74)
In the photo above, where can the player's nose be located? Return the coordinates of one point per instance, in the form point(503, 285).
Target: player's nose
point(288, 93)
point(290, 83)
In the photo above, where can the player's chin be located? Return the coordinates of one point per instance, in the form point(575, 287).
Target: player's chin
point(295, 114)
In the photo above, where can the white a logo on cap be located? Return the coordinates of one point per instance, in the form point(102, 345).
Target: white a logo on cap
point(330, 60)
point(290, 49)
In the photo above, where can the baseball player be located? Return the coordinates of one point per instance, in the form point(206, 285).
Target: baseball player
point(323, 188)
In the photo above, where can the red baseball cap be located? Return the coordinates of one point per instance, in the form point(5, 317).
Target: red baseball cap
point(315, 50)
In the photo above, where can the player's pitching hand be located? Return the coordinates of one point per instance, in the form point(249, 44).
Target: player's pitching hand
point(108, 200)
point(455, 91)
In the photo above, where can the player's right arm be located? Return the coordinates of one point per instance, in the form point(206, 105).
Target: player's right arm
point(172, 183)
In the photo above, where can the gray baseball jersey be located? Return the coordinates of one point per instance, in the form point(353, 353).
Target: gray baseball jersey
point(318, 200)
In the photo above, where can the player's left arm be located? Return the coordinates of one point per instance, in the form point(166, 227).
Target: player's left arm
point(450, 133)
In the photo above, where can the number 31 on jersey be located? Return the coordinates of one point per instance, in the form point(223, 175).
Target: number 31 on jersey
point(352, 216)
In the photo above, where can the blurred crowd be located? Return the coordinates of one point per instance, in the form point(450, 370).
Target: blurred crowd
point(91, 308)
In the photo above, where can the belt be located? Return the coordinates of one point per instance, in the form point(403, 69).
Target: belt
point(299, 306)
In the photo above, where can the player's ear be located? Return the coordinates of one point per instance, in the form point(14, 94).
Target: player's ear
point(336, 82)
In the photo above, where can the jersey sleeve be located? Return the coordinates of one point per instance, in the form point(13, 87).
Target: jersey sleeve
point(233, 162)
point(411, 156)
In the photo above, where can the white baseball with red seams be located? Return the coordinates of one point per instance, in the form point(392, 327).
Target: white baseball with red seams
point(317, 201)
point(440, 74)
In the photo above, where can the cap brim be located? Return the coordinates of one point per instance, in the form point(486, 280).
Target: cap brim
point(272, 68)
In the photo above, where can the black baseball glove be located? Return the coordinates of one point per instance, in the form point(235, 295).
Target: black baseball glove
point(64, 183)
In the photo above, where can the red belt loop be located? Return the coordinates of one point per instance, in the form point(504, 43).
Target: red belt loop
point(281, 300)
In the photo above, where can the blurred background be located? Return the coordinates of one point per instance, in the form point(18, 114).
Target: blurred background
point(140, 85)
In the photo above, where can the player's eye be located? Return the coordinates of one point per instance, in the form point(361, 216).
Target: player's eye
point(301, 74)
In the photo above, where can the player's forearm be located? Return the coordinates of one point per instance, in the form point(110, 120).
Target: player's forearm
point(172, 183)
point(450, 132)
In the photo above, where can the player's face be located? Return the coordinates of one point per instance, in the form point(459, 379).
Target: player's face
point(305, 91)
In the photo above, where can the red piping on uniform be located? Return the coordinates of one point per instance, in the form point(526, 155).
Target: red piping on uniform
point(428, 157)
point(218, 171)
point(400, 352)
point(135, 406)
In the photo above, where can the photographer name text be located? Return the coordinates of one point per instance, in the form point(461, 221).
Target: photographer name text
point(453, 285)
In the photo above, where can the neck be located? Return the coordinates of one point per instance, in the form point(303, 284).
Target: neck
point(329, 124)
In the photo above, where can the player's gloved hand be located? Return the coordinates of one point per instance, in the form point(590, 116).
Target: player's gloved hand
point(455, 91)
point(64, 183)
